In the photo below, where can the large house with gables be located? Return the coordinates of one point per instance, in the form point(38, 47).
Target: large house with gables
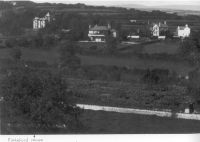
point(158, 29)
point(39, 23)
point(98, 33)
point(182, 31)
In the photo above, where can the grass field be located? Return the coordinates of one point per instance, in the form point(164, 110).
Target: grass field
point(51, 57)
point(135, 62)
point(167, 47)
point(124, 94)
point(99, 122)
point(107, 122)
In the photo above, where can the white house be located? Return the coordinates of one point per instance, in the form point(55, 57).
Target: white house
point(39, 23)
point(98, 33)
point(183, 31)
point(155, 30)
point(158, 28)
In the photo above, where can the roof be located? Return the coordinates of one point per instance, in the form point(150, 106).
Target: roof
point(113, 30)
point(161, 25)
point(99, 28)
point(181, 28)
point(47, 14)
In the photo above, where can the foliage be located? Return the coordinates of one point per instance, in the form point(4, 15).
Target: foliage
point(156, 76)
point(39, 40)
point(5, 5)
point(10, 24)
point(39, 96)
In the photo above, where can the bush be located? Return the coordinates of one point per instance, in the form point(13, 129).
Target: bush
point(156, 76)
point(40, 97)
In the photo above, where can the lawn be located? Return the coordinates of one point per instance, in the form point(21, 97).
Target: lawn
point(51, 56)
point(107, 122)
point(99, 122)
point(124, 94)
point(168, 47)
point(135, 62)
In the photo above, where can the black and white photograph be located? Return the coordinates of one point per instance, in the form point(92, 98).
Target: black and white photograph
point(87, 67)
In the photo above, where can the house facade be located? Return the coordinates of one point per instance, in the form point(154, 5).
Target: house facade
point(98, 33)
point(158, 29)
point(39, 23)
point(183, 31)
point(155, 30)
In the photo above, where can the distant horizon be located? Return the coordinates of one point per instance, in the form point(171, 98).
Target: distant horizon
point(136, 2)
point(193, 5)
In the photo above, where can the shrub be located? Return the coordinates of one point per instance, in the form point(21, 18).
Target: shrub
point(156, 76)
point(40, 97)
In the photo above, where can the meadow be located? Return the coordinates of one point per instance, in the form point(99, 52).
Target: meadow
point(29, 54)
point(168, 47)
point(126, 94)
point(93, 122)
point(127, 58)
point(133, 62)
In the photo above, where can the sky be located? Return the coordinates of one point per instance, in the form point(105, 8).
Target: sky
point(118, 2)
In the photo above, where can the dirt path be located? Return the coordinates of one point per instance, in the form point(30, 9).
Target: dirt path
point(140, 111)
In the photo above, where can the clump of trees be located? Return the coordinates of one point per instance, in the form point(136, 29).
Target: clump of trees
point(39, 97)
point(39, 40)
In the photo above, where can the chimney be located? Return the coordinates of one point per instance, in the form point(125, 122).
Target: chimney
point(159, 24)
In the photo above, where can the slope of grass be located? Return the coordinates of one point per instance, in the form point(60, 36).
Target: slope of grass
point(50, 56)
point(167, 47)
point(99, 122)
point(135, 62)
point(107, 122)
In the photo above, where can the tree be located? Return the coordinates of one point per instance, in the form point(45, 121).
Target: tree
point(156, 76)
point(39, 97)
